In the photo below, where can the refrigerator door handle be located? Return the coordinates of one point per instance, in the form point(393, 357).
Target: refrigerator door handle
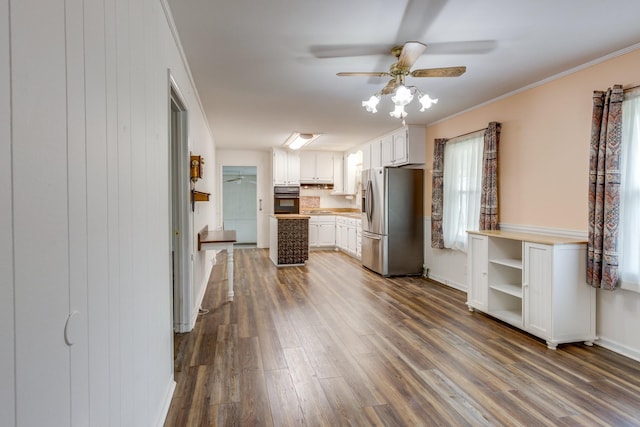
point(371, 236)
point(369, 201)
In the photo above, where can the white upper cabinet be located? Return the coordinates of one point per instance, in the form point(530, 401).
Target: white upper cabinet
point(286, 167)
point(316, 167)
point(404, 146)
point(346, 172)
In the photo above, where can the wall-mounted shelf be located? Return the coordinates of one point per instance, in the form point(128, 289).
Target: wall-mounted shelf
point(199, 196)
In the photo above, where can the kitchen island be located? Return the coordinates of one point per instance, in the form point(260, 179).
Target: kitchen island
point(289, 239)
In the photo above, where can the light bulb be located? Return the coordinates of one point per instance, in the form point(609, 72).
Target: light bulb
point(403, 96)
point(370, 105)
point(426, 101)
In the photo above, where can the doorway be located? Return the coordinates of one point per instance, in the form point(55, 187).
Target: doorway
point(239, 207)
point(180, 213)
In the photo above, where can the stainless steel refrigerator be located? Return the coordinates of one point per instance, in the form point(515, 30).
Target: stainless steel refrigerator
point(392, 221)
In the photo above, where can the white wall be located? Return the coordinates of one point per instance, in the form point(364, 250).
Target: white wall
point(84, 223)
point(264, 190)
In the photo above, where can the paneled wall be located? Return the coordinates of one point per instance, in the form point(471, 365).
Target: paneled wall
point(84, 218)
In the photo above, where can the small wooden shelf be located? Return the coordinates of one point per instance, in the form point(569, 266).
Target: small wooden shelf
point(199, 196)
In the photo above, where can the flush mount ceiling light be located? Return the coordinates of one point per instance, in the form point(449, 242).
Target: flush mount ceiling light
point(402, 94)
point(298, 140)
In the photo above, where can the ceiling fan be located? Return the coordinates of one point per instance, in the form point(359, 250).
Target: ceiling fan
point(406, 55)
point(240, 180)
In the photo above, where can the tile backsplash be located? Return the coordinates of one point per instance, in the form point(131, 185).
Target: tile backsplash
point(309, 202)
point(320, 198)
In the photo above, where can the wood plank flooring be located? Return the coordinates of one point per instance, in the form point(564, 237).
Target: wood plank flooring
point(332, 344)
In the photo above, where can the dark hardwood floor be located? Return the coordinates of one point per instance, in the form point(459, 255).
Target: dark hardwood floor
point(333, 344)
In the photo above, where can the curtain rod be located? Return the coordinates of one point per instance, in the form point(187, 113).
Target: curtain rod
point(632, 88)
point(468, 133)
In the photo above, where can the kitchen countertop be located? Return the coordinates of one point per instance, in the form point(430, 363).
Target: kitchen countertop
point(347, 212)
point(291, 216)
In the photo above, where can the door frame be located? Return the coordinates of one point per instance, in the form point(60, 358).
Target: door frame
point(179, 211)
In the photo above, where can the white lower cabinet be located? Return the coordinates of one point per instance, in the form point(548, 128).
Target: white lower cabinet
point(322, 231)
point(534, 282)
point(347, 237)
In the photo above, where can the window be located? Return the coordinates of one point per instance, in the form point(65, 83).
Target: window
point(629, 228)
point(462, 181)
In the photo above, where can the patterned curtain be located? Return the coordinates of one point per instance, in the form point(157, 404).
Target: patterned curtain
point(437, 192)
point(604, 188)
point(489, 197)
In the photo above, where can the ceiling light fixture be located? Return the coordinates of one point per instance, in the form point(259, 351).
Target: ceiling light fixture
point(298, 140)
point(402, 95)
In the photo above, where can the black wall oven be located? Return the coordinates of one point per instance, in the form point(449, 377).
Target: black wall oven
point(286, 200)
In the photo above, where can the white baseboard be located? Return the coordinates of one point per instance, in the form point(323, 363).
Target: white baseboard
point(166, 403)
point(198, 303)
point(451, 283)
point(616, 347)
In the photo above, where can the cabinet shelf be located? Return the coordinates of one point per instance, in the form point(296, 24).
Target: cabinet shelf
point(509, 289)
point(508, 262)
point(513, 317)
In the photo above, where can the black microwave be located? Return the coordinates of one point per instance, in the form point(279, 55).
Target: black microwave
point(286, 200)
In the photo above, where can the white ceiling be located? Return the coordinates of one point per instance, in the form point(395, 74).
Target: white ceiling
point(264, 69)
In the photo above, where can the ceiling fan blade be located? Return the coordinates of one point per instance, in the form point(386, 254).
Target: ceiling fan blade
point(418, 17)
point(469, 47)
point(411, 51)
point(348, 50)
point(365, 74)
point(389, 88)
point(439, 72)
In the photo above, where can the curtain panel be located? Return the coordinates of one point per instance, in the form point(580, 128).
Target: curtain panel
point(489, 197)
point(604, 188)
point(437, 192)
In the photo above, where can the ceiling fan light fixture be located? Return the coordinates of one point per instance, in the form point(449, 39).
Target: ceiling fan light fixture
point(371, 104)
point(403, 96)
point(426, 101)
point(298, 140)
point(399, 112)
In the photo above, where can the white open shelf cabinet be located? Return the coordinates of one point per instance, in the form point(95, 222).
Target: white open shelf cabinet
point(534, 282)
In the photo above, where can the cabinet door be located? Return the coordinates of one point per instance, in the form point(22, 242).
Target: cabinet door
point(400, 151)
point(351, 239)
point(537, 268)
point(279, 167)
point(341, 236)
point(477, 264)
point(366, 157)
point(307, 166)
point(339, 173)
point(326, 235)
point(324, 167)
point(376, 154)
point(313, 235)
point(293, 168)
point(387, 158)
